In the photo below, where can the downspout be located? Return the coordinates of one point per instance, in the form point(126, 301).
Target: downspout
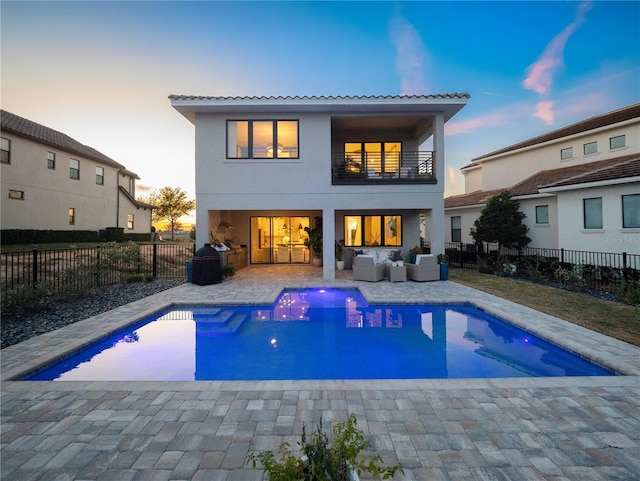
point(118, 197)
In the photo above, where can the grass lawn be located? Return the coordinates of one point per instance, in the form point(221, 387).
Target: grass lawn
point(614, 319)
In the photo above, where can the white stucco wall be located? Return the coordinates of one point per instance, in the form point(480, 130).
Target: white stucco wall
point(612, 237)
point(507, 169)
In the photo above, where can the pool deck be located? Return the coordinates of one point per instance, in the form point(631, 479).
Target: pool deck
point(520, 429)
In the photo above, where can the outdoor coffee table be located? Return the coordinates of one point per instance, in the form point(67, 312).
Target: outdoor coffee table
point(397, 273)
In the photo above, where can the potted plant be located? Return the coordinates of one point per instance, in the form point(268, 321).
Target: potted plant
point(339, 253)
point(314, 241)
point(415, 250)
point(443, 260)
point(321, 459)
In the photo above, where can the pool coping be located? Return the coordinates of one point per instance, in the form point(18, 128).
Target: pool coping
point(42, 351)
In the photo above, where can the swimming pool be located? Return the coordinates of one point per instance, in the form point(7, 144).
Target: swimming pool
point(319, 334)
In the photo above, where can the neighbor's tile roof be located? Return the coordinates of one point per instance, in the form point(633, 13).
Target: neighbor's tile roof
point(603, 170)
point(610, 118)
point(323, 97)
point(31, 130)
point(624, 167)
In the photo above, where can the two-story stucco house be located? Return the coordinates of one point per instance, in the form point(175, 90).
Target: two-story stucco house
point(579, 186)
point(370, 167)
point(53, 182)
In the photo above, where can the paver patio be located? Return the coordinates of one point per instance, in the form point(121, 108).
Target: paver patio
point(577, 428)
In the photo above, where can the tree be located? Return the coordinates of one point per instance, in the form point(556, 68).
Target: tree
point(171, 203)
point(501, 221)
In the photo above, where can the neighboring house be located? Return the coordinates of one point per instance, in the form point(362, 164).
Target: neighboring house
point(267, 166)
point(53, 182)
point(579, 186)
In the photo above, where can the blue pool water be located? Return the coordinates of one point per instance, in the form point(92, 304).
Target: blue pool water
point(320, 334)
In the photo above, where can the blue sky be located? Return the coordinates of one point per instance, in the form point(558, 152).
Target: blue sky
point(101, 72)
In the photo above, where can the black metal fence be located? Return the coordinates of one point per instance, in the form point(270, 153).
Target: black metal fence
point(599, 271)
point(69, 271)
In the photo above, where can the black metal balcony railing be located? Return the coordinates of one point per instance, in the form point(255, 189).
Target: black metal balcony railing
point(411, 167)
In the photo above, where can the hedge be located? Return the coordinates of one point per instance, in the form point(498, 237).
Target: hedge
point(33, 236)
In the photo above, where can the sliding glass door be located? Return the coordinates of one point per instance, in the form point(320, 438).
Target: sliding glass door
point(279, 240)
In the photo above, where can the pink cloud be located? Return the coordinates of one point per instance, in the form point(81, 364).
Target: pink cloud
point(544, 111)
point(540, 73)
point(470, 125)
point(411, 56)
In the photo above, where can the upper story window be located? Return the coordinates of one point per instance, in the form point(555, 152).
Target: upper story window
point(16, 194)
point(262, 139)
point(592, 213)
point(566, 153)
point(74, 169)
point(100, 175)
point(456, 228)
point(51, 160)
point(6, 151)
point(617, 142)
point(542, 214)
point(590, 148)
point(631, 211)
point(373, 230)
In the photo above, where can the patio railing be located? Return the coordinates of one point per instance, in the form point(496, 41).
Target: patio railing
point(408, 167)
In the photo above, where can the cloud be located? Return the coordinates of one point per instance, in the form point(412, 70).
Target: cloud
point(540, 73)
point(411, 56)
point(452, 175)
point(544, 111)
point(492, 119)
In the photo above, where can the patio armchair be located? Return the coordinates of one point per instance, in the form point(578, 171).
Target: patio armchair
point(425, 269)
point(365, 269)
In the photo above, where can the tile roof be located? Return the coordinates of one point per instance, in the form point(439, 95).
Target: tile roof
point(603, 170)
point(610, 118)
point(31, 130)
point(323, 97)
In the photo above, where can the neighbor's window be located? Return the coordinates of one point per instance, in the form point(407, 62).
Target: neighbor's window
point(590, 148)
point(262, 139)
point(100, 175)
point(631, 211)
point(373, 230)
point(72, 216)
point(51, 160)
point(129, 221)
point(456, 228)
point(6, 151)
point(74, 169)
point(593, 213)
point(566, 153)
point(617, 142)
point(542, 214)
point(16, 194)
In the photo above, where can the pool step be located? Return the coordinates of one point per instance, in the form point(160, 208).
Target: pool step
point(220, 321)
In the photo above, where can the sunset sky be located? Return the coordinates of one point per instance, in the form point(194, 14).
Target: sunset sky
point(101, 72)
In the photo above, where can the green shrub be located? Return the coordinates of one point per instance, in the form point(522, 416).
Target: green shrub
point(31, 298)
point(135, 278)
point(34, 236)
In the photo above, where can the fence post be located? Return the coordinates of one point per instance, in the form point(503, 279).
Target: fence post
point(98, 273)
point(562, 256)
point(461, 255)
point(34, 267)
point(625, 273)
point(155, 260)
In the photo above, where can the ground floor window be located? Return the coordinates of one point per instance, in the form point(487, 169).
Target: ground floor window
point(130, 221)
point(542, 214)
point(72, 216)
point(631, 211)
point(593, 213)
point(456, 228)
point(372, 230)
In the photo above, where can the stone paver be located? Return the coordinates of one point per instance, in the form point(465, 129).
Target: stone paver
point(468, 429)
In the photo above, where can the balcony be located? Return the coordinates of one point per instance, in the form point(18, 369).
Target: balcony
point(407, 167)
